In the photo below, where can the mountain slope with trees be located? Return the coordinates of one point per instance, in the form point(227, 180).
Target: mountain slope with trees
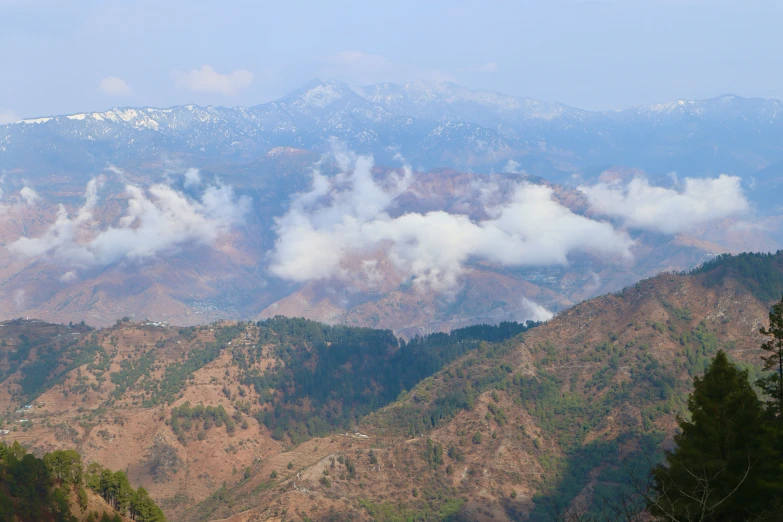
point(547, 420)
point(290, 418)
point(55, 488)
point(183, 410)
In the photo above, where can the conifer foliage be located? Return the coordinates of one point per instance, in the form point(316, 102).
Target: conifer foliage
point(33, 489)
point(117, 491)
point(772, 385)
point(723, 467)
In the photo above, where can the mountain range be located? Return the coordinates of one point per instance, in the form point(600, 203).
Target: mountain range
point(465, 150)
point(388, 302)
point(429, 124)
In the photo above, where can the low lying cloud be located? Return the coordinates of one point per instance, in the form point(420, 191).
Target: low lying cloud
point(15, 202)
point(535, 312)
point(8, 116)
point(114, 86)
point(156, 220)
point(207, 79)
point(29, 196)
point(512, 167)
point(192, 178)
point(344, 221)
point(669, 211)
point(68, 276)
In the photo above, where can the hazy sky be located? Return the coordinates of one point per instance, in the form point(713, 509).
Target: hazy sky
point(62, 57)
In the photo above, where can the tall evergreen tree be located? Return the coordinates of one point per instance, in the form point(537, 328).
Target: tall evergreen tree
point(720, 469)
point(772, 385)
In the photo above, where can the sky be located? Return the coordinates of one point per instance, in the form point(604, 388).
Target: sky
point(67, 57)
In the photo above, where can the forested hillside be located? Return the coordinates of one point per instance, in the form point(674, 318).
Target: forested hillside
point(345, 373)
point(158, 401)
point(290, 418)
point(55, 488)
point(552, 419)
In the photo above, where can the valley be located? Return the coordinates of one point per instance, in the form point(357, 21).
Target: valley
point(228, 276)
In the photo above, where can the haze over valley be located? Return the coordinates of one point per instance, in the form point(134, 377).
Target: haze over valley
point(345, 204)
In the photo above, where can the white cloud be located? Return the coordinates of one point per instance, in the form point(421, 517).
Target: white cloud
point(8, 116)
point(346, 218)
point(644, 206)
point(192, 178)
point(26, 197)
point(20, 298)
point(156, 220)
point(67, 277)
point(486, 68)
point(512, 166)
point(361, 68)
point(207, 79)
point(29, 196)
point(359, 59)
point(114, 86)
point(535, 312)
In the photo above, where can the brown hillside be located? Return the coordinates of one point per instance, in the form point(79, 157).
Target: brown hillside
point(524, 450)
point(89, 412)
point(482, 437)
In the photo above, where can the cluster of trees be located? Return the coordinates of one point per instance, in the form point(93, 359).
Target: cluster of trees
point(184, 418)
point(27, 490)
point(761, 273)
point(343, 373)
point(130, 372)
point(176, 375)
point(33, 489)
point(54, 358)
point(118, 493)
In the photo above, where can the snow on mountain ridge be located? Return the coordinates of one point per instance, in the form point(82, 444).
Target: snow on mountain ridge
point(319, 96)
point(437, 124)
point(437, 96)
point(418, 95)
point(760, 109)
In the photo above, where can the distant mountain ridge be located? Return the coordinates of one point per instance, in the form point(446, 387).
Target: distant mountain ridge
point(429, 124)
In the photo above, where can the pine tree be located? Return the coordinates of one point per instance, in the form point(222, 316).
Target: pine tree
point(772, 385)
point(720, 468)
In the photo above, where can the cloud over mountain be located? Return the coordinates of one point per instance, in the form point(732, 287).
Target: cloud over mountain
point(114, 86)
point(666, 210)
point(29, 196)
point(8, 116)
point(156, 220)
point(346, 218)
point(207, 79)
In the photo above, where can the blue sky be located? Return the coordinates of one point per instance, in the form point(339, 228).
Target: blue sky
point(62, 57)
